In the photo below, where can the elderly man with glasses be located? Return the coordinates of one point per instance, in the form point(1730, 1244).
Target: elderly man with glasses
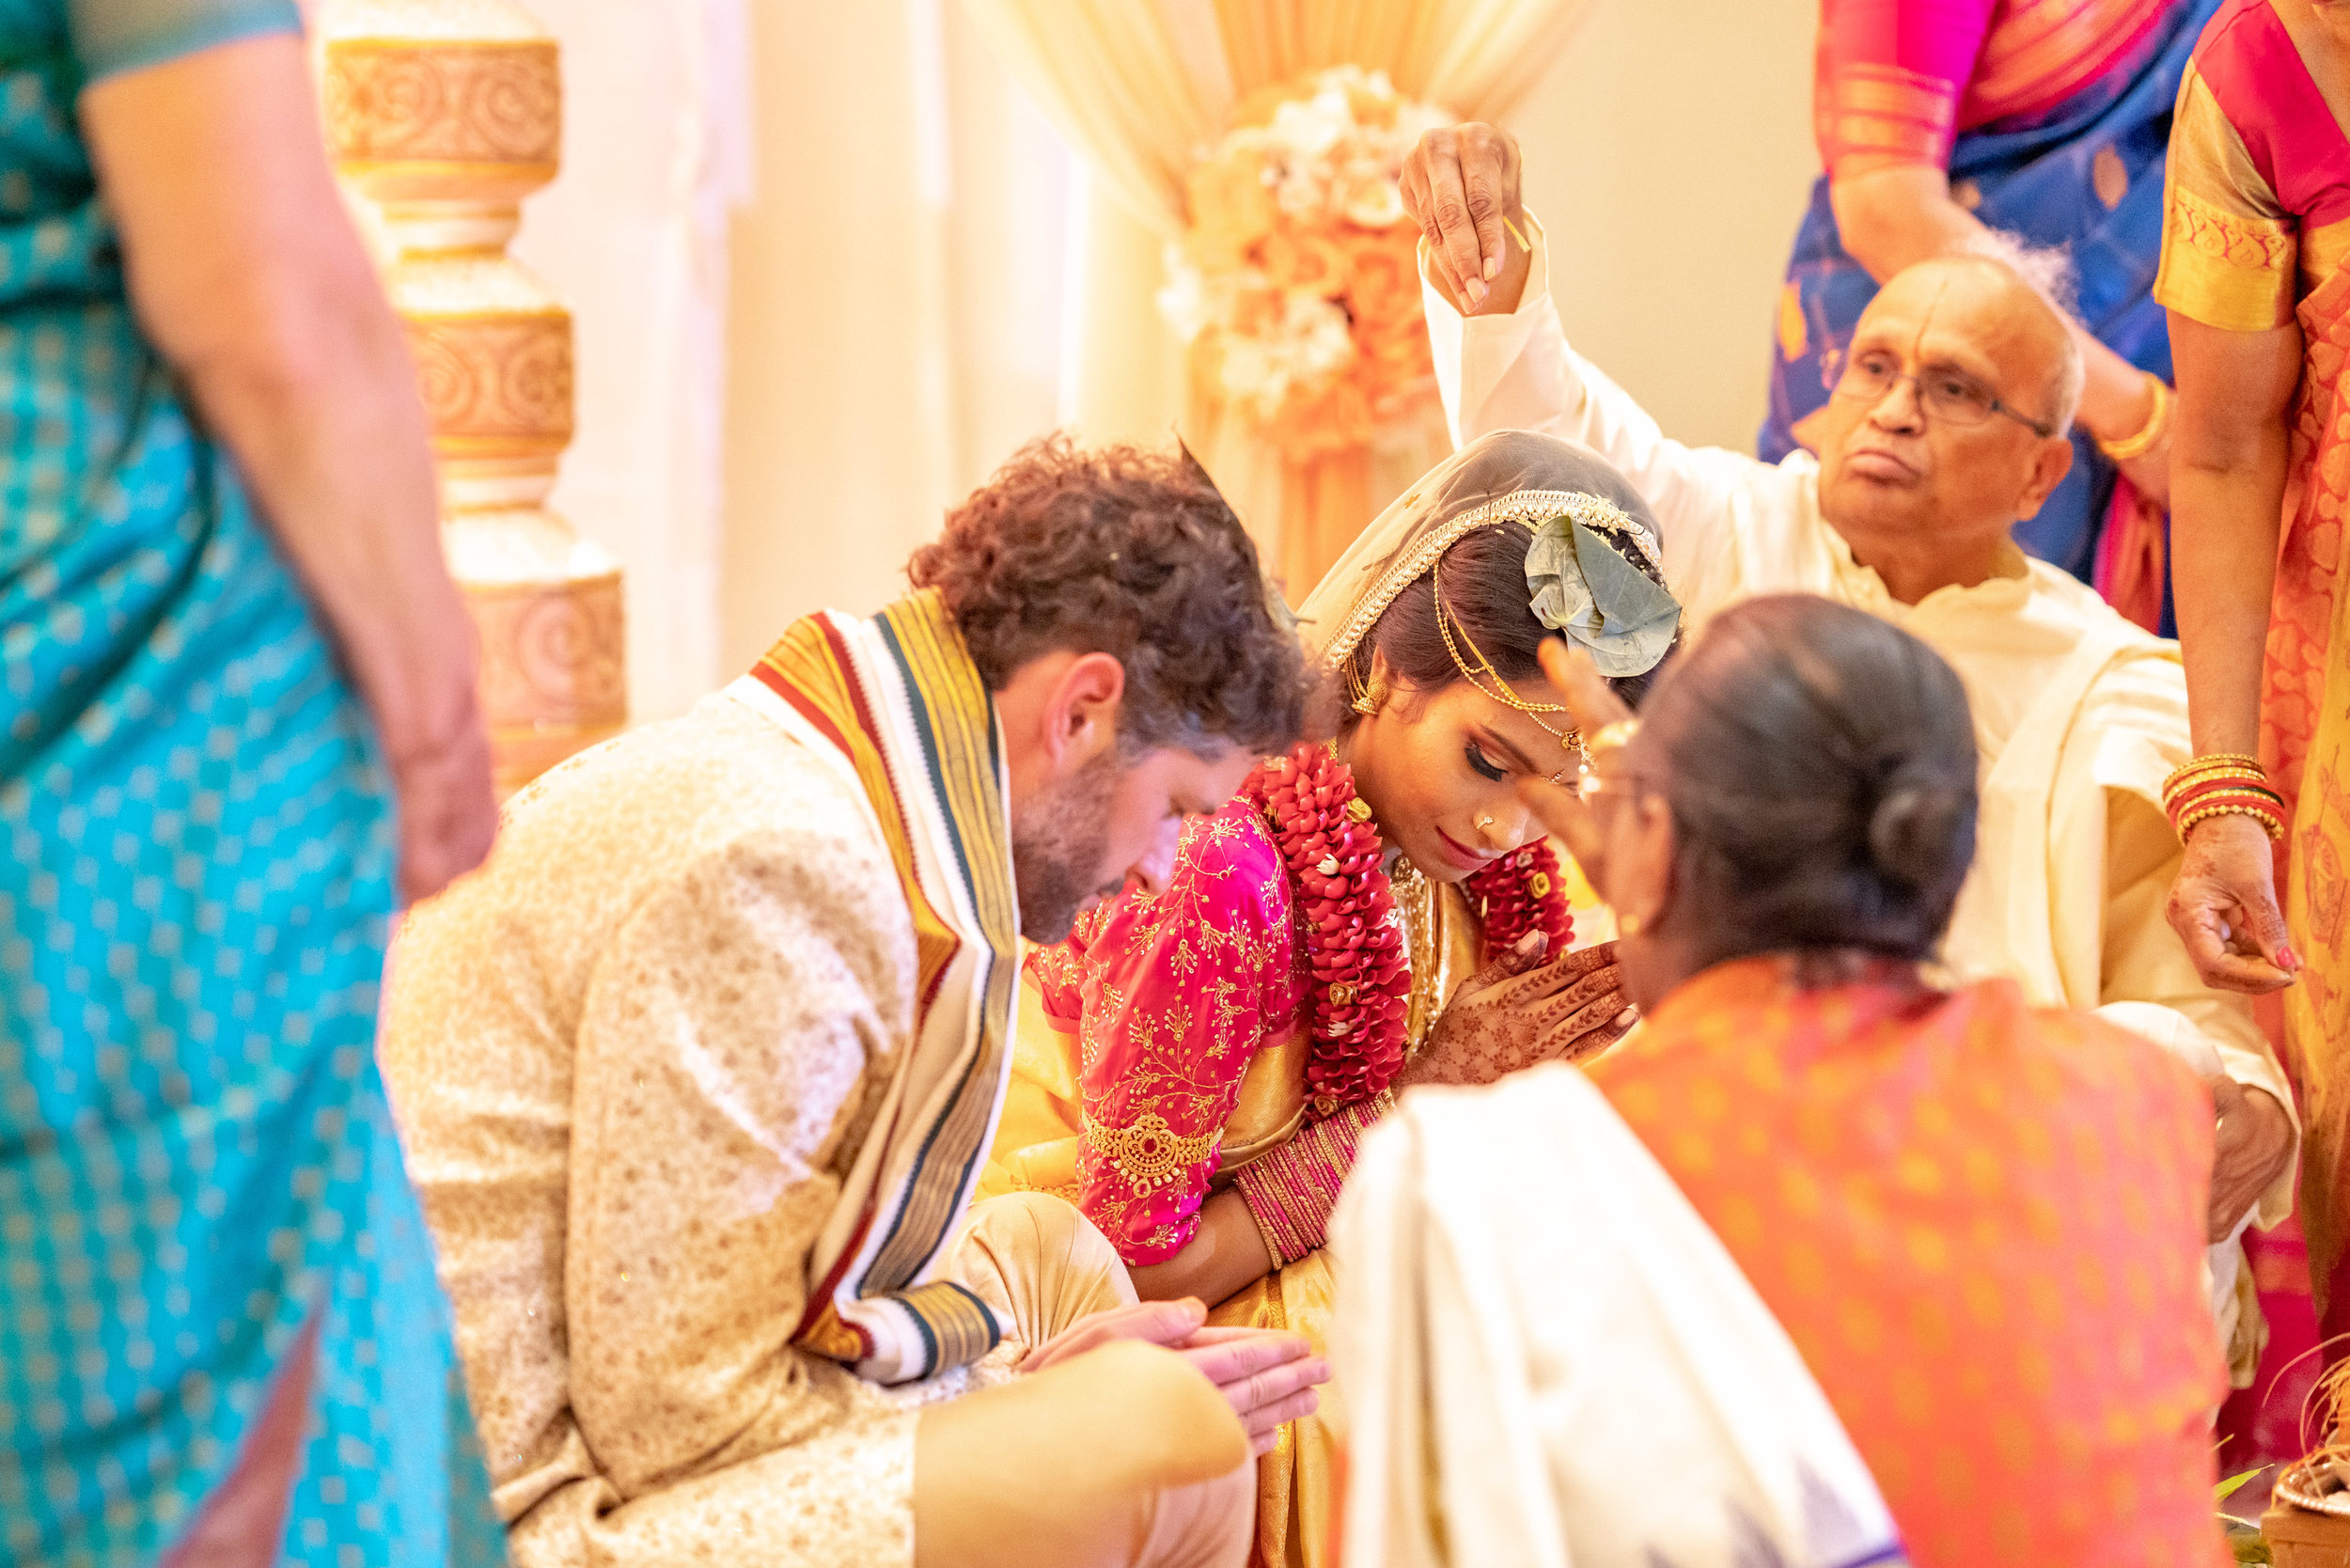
point(1947, 428)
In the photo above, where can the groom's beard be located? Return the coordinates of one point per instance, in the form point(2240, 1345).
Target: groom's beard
point(1059, 844)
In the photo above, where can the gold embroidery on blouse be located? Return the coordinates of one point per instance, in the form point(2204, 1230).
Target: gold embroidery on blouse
point(2226, 269)
point(1868, 117)
point(1149, 1154)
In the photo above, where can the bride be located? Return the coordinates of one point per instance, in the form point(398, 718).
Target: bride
point(1194, 1066)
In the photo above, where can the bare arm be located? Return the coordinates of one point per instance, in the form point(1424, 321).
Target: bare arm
point(1225, 1256)
point(248, 278)
point(2235, 391)
point(1893, 217)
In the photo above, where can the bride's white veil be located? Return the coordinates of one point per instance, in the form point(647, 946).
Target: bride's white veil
point(1507, 476)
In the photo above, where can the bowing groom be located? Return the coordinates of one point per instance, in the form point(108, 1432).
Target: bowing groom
point(698, 1074)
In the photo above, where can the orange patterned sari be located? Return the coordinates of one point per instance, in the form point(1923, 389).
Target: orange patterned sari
point(2256, 235)
point(1982, 1224)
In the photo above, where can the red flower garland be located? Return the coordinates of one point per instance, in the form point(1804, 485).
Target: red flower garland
point(1522, 892)
point(1360, 994)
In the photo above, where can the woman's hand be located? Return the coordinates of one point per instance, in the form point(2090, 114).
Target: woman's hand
point(1517, 1012)
point(2223, 905)
point(1268, 1377)
point(2232, 429)
point(1593, 705)
point(2149, 473)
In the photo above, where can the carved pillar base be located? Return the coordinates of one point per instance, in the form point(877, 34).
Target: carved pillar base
point(444, 115)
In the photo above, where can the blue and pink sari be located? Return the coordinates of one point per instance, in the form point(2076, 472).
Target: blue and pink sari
point(2053, 118)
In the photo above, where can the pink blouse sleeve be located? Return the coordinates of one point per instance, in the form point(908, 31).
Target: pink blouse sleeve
point(1889, 77)
point(1174, 996)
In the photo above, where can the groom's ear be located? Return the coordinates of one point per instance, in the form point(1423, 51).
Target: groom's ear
point(1081, 711)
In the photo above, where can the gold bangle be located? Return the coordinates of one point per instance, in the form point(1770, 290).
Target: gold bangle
point(2270, 821)
point(2132, 446)
point(2215, 762)
point(1516, 235)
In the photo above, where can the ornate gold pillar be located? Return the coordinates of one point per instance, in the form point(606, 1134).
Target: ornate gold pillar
point(443, 115)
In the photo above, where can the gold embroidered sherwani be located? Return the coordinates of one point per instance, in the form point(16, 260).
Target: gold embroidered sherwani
point(633, 1059)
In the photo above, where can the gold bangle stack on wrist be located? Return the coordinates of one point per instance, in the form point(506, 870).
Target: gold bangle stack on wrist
point(2157, 423)
point(2224, 784)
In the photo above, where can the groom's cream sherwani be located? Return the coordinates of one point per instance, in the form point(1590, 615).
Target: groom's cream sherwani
point(634, 1061)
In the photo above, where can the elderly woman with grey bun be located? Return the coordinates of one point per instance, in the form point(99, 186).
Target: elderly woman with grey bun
point(1824, 1235)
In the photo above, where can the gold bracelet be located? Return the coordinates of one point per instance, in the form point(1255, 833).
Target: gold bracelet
point(2212, 762)
point(2132, 446)
point(2271, 821)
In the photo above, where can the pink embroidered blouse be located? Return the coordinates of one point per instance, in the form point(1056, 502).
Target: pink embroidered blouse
point(1171, 997)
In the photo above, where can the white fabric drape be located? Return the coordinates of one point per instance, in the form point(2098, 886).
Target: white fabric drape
point(1543, 1357)
point(1140, 86)
point(897, 301)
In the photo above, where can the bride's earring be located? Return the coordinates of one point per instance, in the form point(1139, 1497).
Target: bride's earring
point(1629, 925)
point(1374, 696)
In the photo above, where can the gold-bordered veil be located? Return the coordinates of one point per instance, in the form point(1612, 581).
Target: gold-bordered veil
point(1503, 477)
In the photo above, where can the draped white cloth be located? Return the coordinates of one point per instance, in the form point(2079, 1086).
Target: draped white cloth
point(1544, 1358)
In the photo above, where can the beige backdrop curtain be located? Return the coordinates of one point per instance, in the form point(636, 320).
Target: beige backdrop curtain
point(898, 287)
point(1141, 88)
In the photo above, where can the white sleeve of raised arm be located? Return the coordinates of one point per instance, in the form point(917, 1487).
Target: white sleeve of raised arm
point(1517, 372)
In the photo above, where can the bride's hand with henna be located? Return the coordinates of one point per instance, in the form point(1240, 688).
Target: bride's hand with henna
point(1518, 1011)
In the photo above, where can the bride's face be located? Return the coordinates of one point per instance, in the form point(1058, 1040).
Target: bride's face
point(1440, 771)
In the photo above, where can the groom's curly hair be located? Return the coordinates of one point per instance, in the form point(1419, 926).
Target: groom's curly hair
point(1133, 554)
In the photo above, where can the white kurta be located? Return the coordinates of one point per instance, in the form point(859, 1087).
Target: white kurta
point(2078, 715)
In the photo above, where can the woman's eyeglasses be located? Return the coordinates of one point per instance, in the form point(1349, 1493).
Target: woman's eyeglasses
point(1951, 396)
point(1622, 786)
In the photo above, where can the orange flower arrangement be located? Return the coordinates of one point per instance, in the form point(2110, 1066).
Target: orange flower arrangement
point(1297, 285)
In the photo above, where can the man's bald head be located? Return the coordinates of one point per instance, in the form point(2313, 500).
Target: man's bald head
point(1945, 428)
point(2037, 286)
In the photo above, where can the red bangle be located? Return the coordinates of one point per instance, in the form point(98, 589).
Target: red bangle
point(2211, 794)
point(1292, 1191)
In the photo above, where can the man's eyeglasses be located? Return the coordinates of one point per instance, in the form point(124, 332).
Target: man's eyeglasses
point(1951, 396)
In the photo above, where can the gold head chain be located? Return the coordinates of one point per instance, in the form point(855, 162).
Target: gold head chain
point(1486, 679)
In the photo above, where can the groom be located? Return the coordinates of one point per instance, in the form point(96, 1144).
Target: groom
point(697, 1075)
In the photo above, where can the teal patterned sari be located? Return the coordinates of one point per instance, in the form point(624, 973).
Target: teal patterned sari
point(197, 1158)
